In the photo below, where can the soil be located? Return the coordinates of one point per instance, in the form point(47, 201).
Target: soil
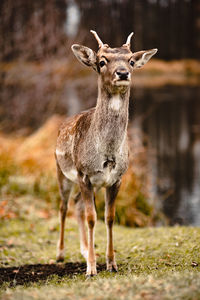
point(23, 275)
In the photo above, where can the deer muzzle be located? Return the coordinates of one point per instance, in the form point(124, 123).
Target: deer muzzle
point(122, 76)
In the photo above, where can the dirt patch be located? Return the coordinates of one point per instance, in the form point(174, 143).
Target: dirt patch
point(26, 274)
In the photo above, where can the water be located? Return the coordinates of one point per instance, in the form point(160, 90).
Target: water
point(169, 116)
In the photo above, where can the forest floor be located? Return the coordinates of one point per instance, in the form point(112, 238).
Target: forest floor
point(154, 263)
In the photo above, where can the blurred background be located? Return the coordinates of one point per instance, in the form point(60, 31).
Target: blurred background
point(41, 83)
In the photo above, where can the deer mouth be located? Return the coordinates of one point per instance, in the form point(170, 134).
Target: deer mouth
point(122, 82)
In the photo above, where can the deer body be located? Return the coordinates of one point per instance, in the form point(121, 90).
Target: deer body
point(92, 147)
point(95, 144)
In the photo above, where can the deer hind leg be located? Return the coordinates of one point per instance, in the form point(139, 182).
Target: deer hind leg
point(80, 212)
point(111, 193)
point(65, 186)
point(88, 198)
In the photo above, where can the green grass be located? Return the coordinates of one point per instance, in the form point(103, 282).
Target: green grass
point(154, 263)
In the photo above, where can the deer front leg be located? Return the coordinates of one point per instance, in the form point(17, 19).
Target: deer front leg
point(111, 193)
point(88, 198)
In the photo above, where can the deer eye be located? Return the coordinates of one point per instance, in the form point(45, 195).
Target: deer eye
point(132, 63)
point(102, 63)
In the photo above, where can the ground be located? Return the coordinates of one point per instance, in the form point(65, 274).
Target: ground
point(154, 263)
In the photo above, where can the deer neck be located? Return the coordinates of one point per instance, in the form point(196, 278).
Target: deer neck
point(111, 113)
point(112, 103)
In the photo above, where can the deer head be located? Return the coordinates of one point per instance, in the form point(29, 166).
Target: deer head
point(114, 65)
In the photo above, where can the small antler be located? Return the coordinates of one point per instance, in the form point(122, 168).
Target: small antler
point(128, 41)
point(101, 44)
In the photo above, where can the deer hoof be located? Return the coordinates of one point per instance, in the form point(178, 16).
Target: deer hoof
point(60, 255)
point(60, 259)
point(91, 270)
point(112, 267)
point(113, 270)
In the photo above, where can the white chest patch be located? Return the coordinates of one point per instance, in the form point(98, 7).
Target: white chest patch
point(115, 102)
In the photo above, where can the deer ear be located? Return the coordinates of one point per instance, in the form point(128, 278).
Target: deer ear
point(85, 55)
point(142, 57)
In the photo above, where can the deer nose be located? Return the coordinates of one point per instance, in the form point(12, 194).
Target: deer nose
point(123, 74)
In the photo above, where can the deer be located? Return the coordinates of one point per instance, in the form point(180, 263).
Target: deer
point(92, 146)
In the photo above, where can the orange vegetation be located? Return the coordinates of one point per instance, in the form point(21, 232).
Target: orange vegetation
point(34, 153)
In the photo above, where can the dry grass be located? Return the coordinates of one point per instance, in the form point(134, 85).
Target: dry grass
point(36, 153)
